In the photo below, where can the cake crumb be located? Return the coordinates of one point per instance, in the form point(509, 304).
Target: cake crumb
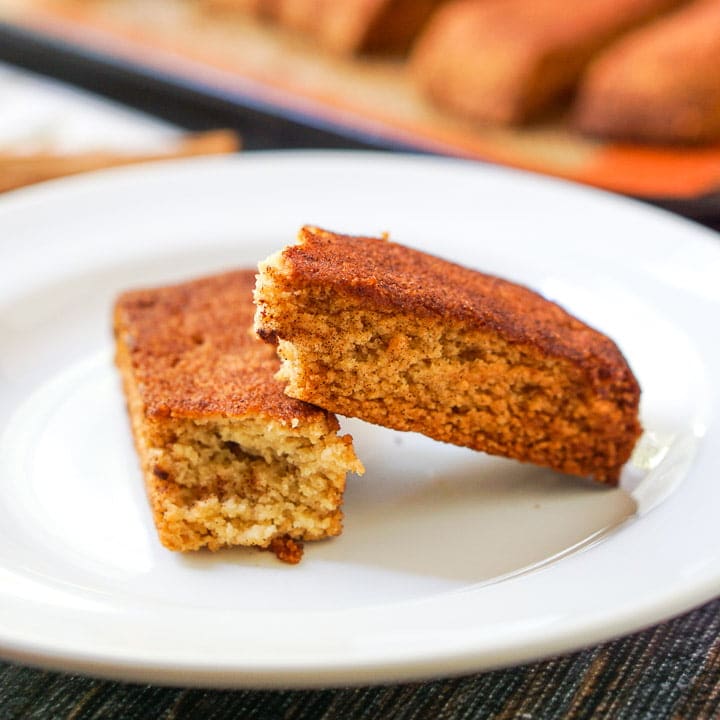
point(286, 549)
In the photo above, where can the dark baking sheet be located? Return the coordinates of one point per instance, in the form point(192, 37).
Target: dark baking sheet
point(195, 105)
point(174, 98)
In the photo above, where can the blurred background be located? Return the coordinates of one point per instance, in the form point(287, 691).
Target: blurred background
point(619, 94)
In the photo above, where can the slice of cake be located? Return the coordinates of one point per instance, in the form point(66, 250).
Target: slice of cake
point(228, 458)
point(357, 26)
point(510, 61)
point(264, 9)
point(661, 84)
point(369, 328)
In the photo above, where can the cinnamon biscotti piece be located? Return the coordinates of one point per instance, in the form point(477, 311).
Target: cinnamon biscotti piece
point(660, 84)
point(228, 458)
point(357, 26)
point(264, 9)
point(509, 61)
point(369, 328)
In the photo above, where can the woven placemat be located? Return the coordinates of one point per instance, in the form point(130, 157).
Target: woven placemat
point(669, 671)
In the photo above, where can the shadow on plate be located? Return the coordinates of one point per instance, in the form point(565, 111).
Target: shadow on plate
point(479, 522)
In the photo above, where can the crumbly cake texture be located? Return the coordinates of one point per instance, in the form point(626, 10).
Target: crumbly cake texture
point(660, 84)
point(368, 328)
point(228, 458)
point(511, 61)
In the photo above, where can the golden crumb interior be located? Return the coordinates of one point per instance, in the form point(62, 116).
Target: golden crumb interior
point(223, 482)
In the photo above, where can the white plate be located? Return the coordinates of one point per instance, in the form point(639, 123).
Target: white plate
point(451, 561)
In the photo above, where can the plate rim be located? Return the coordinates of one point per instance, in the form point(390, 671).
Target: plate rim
point(336, 674)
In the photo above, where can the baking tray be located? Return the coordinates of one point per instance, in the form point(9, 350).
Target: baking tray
point(168, 58)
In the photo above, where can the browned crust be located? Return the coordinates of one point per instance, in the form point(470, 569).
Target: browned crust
point(193, 355)
point(287, 549)
point(157, 484)
point(509, 61)
point(661, 84)
point(393, 278)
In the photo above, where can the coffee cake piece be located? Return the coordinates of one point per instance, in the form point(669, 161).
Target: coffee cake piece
point(660, 84)
point(263, 9)
point(228, 458)
point(369, 328)
point(357, 26)
point(511, 61)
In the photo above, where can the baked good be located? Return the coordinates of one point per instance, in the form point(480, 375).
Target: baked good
point(20, 169)
point(228, 458)
point(510, 61)
point(369, 328)
point(258, 8)
point(660, 84)
point(357, 26)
